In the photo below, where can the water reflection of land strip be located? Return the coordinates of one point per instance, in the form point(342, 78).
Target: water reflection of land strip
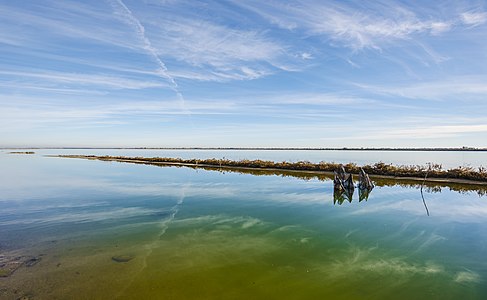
point(431, 185)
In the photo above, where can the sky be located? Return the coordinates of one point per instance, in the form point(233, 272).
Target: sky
point(170, 73)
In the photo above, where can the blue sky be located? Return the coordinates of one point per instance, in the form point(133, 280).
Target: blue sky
point(169, 73)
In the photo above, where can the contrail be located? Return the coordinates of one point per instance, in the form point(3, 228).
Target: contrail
point(123, 10)
point(155, 243)
point(174, 211)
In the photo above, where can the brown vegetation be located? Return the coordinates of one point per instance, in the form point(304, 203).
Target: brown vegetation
point(21, 152)
point(434, 171)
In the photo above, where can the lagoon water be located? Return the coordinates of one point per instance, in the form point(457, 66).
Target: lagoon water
point(108, 230)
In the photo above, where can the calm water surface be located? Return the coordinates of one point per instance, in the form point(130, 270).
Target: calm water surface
point(195, 234)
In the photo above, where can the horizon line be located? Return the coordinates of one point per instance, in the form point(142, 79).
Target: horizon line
point(464, 148)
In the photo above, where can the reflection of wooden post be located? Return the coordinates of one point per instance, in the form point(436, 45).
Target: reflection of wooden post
point(363, 194)
point(343, 185)
point(422, 196)
point(349, 182)
point(338, 196)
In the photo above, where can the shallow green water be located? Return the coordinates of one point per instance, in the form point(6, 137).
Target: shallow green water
point(196, 234)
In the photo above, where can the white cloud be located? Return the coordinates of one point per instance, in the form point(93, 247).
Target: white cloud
point(26, 111)
point(31, 112)
point(404, 132)
point(226, 53)
point(370, 26)
point(65, 20)
point(352, 63)
point(192, 46)
point(440, 130)
point(208, 74)
point(438, 28)
point(360, 31)
point(325, 99)
point(54, 79)
point(306, 55)
point(474, 18)
point(463, 86)
point(201, 49)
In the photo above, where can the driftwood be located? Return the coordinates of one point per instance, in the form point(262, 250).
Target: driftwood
point(364, 181)
point(343, 181)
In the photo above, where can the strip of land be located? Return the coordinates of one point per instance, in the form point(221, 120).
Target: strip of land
point(432, 172)
point(21, 152)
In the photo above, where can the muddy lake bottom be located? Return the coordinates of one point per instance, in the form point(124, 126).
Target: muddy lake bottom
point(79, 229)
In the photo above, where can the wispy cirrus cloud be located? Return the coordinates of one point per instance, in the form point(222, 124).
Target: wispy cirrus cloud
point(41, 110)
point(428, 132)
point(464, 87)
point(52, 25)
point(194, 47)
point(52, 79)
point(201, 42)
point(404, 130)
point(370, 25)
point(474, 18)
point(216, 51)
point(34, 112)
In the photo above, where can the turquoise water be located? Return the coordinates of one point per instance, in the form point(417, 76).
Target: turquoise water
point(218, 235)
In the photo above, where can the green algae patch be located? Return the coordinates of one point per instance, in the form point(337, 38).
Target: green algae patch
point(5, 272)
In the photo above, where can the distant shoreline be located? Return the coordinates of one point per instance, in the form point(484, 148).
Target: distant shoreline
point(462, 149)
point(21, 152)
